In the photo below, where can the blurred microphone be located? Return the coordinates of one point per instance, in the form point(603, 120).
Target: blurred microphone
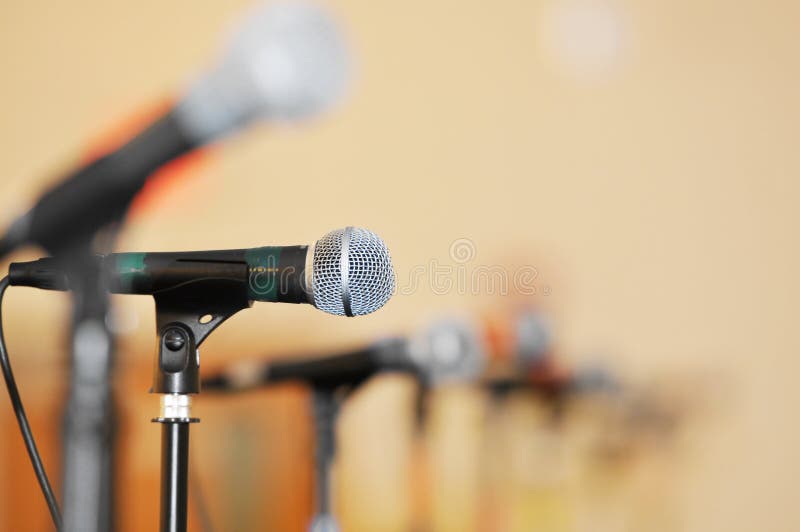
point(344, 369)
point(445, 352)
point(287, 61)
point(556, 381)
point(541, 370)
point(448, 351)
point(532, 364)
point(533, 339)
point(595, 378)
point(346, 272)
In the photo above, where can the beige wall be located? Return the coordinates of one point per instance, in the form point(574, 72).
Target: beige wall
point(645, 163)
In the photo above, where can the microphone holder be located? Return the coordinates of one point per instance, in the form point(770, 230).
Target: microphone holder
point(185, 316)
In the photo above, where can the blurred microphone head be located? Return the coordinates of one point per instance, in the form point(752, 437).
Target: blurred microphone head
point(285, 61)
point(351, 272)
point(448, 351)
point(596, 378)
point(533, 338)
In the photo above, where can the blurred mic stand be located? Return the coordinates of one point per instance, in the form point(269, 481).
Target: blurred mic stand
point(331, 379)
point(326, 405)
point(89, 419)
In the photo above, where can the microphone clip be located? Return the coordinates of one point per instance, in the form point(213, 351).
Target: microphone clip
point(185, 316)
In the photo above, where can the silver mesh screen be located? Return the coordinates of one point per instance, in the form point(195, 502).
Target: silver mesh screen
point(449, 351)
point(369, 276)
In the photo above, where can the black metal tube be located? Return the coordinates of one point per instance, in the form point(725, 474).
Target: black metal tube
point(174, 475)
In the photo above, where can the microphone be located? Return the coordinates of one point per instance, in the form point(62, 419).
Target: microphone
point(347, 272)
point(533, 339)
point(287, 61)
point(447, 351)
point(596, 378)
point(343, 369)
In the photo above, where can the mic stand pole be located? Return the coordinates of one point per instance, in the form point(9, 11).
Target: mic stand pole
point(89, 417)
point(326, 405)
point(176, 377)
point(185, 316)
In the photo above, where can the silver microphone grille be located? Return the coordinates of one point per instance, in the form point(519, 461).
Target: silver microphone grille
point(449, 351)
point(286, 61)
point(352, 272)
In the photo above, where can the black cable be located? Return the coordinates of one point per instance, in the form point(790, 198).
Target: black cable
point(22, 420)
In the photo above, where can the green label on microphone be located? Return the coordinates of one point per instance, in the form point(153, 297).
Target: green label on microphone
point(130, 270)
point(263, 273)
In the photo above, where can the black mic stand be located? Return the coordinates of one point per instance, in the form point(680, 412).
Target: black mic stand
point(185, 316)
point(326, 404)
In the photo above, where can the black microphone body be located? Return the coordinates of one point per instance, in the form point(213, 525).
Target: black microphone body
point(247, 83)
point(99, 193)
point(345, 369)
point(271, 273)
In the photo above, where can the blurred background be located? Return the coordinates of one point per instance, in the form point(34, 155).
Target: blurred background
point(637, 161)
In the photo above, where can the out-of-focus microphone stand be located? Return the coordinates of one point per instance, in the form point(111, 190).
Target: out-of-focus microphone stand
point(326, 404)
point(73, 222)
point(89, 418)
point(331, 380)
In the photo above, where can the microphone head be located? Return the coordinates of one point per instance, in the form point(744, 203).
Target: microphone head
point(351, 272)
point(286, 61)
point(533, 338)
point(448, 351)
